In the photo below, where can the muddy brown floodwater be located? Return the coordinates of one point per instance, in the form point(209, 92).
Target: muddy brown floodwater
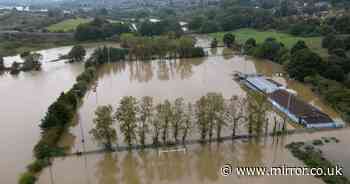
point(190, 78)
point(24, 99)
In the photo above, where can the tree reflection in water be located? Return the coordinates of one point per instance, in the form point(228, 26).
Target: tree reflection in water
point(148, 160)
point(143, 71)
point(107, 169)
point(208, 162)
point(130, 169)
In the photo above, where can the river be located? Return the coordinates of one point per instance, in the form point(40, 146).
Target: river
point(25, 98)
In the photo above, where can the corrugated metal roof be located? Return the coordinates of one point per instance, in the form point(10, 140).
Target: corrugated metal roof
point(262, 84)
point(299, 108)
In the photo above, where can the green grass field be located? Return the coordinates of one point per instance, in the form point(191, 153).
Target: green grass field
point(67, 25)
point(288, 40)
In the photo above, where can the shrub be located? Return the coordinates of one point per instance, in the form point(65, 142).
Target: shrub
point(38, 165)
point(27, 178)
point(317, 142)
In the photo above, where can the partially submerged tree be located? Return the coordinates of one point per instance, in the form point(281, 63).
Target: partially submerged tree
point(2, 64)
point(145, 118)
point(166, 115)
point(15, 68)
point(126, 116)
point(214, 43)
point(257, 109)
point(31, 61)
point(229, 39)
point(103, 131)
point(186, 126)
point(77, 54)
point(156, 124)
point(249, 44)
point(219, 111)
point(202, 117)
point(235, 112)
point(178, 117)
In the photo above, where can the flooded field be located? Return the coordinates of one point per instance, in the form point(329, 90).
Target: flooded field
point(24, 99)
point(198, 165)
point(190, 79)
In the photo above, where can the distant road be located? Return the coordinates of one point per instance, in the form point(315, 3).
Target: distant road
point(40, 34)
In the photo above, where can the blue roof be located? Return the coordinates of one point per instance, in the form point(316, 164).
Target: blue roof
point(262, 84)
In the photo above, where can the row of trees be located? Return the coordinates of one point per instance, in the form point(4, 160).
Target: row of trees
point(105, 54)
point(100, 29)
point(228, 40)
point(162, 27)
point(173, 122)
point(145, 48)
point(56, 120)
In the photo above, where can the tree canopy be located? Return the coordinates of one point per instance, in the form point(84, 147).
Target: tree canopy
point(100, 29)
point(304, 63)
point(229, 39)
point(77, 53)
point(103, 131)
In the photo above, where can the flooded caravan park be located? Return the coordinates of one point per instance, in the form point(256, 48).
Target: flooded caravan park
point(31, 93)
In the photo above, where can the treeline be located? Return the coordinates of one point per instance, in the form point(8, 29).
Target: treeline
point(336, 44)
point(230, 18)
point(106, 54)
point(146, 48)
point(335, 93)
point(287, 16)
point(100, 29)
point(161, 27)
point(169, 123)
point(330, 77)
point(60, 114)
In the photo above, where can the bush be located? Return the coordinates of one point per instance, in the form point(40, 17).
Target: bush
point(27, 178)
point(46, 147)
point(317, 142)
point(38, 165)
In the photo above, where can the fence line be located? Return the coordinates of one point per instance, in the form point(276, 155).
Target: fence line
point(197, 141)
